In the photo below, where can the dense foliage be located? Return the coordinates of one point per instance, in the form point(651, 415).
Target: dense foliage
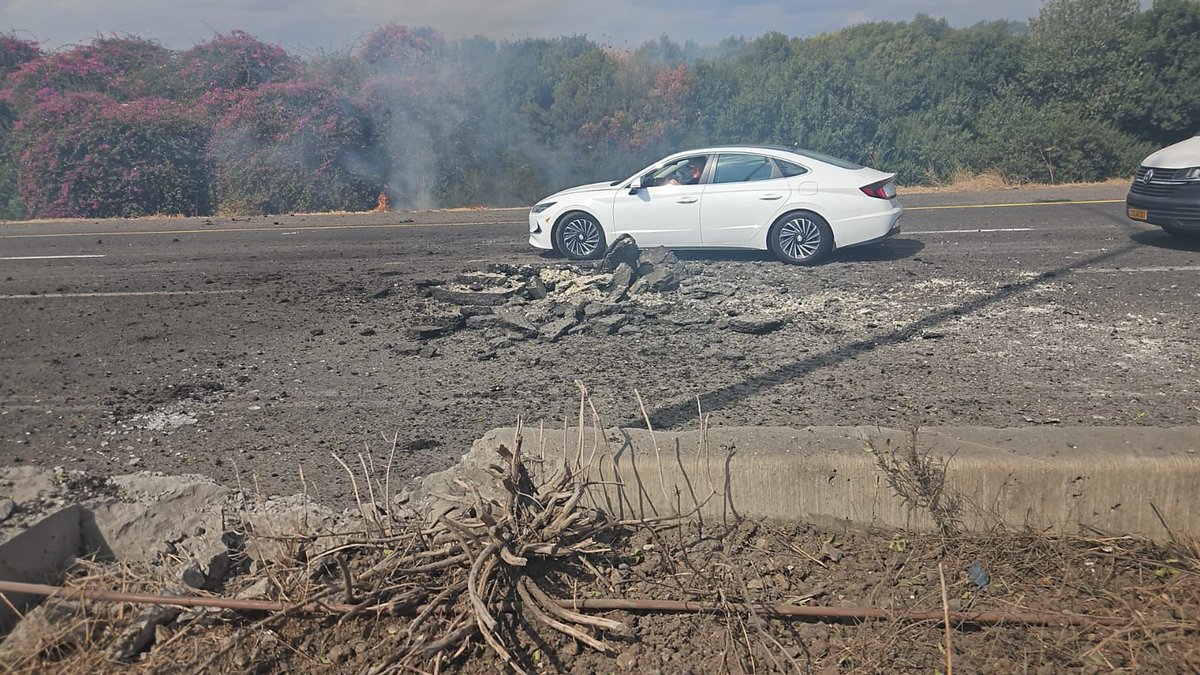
point(124, 126)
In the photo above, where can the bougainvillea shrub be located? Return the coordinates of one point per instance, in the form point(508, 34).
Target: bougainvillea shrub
point(87, 155)
point(15, 52)
point(236, 60)
point(394, 46)
point(294, 147)
point(120, 67)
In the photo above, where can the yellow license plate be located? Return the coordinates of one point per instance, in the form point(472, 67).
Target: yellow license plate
point(1137, 214)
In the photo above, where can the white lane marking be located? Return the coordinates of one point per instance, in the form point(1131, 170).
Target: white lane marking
point(997, 229)
point(120, 294)
point(1130, 270)
point(49, 257)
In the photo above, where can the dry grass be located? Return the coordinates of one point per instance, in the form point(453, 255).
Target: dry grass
point(990, 181)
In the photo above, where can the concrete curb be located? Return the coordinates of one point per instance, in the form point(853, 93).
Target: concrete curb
point(1057, 479)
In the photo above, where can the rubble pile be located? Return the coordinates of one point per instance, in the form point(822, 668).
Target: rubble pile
point(625, 290)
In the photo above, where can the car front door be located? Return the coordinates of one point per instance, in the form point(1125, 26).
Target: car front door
point(746, 192)
point(660, 213)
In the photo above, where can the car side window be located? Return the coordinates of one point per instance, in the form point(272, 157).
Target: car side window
point(685, 171)
point(789, 169)
point(742, 169)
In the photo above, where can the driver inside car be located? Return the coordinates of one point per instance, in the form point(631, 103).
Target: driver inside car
point(688, 174)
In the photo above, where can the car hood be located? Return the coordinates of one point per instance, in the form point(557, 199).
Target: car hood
point(590, 187)
point(1183, 155)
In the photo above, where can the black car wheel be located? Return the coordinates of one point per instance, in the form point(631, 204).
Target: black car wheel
point(801, 238)
point(579, 237)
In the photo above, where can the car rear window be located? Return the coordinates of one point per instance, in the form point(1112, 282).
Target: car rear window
point(789, 169)
point(742, 168)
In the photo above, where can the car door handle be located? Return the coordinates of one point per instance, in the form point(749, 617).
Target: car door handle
point(770, 196)
point(687, 200)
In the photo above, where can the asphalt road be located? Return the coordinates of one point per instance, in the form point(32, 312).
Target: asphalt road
point(255, 345)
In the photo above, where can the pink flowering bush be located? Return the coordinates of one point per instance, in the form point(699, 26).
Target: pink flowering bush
point(15, 52)
point(233, 61)
point(86, 155)
point(393, 46)
point(121, 67)
point(294, 147)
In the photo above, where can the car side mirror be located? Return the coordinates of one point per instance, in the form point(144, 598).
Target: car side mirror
point(635, 185)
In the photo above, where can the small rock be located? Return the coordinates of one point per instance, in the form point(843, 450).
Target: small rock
point(628, 659)
point(623, 250)
point(659, 279)
point(515, 322)
point(595, 309)
point(367, 332)
point(428, 332)
point(483, 321)
point(756, 325)
point(193, 576)
point(622, 279)
point(610, 324)
point(536, 288)
point(263, 588)
point(428, 352)
point(407, 347)
point(474, 310)
point(554, 330)
point(659, 255)
point(382, 293)
point(7, 506)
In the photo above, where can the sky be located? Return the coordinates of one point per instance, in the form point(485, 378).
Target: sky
point(315, 26)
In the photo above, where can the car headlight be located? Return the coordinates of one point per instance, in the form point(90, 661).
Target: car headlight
point(541, 207)
point(1192, 173)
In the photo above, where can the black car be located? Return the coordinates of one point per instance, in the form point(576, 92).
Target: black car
point(1166, 189)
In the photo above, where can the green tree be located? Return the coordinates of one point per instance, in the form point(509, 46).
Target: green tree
point(1085, 52)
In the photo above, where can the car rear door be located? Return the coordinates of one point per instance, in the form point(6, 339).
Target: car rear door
point(745, 193)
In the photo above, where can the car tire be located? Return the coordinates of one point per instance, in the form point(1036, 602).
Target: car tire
point(801, 238)
point(579, 236)
point(1180, 232)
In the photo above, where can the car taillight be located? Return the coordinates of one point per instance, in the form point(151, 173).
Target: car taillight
point(884, 189)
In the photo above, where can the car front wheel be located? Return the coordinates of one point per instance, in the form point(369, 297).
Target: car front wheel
point(801, 239)
point(579, 237)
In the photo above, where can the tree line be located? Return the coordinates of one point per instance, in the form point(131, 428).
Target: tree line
point(123, 126)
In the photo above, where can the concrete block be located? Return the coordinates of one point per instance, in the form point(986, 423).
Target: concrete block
point(1058, 479)
point(38, 555)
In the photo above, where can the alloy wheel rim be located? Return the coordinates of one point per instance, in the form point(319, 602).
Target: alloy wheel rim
point(799, 238)
point(581, 236)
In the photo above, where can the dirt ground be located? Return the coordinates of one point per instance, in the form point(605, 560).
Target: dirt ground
point(1153, 591)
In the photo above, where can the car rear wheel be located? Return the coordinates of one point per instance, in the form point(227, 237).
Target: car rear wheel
point(801, 238)
point(579, 237)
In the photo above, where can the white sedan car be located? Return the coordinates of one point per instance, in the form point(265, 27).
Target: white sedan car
point(800, 205)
